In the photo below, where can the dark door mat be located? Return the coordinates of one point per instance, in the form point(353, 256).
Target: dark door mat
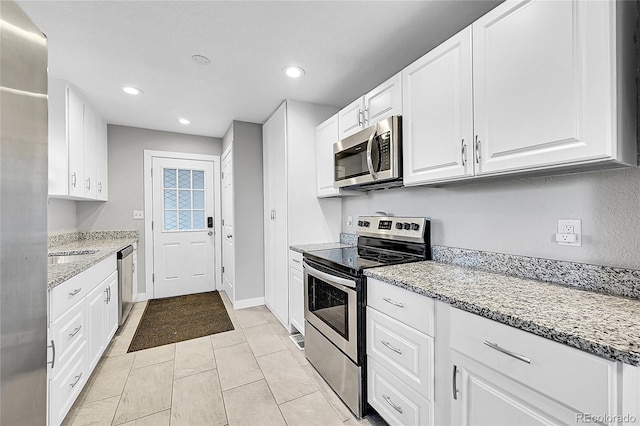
point(175, 319)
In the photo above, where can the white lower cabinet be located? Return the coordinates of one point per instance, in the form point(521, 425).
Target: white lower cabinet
point(502, 375)
point(83, 318)
point(400, 357)
point(296, 291)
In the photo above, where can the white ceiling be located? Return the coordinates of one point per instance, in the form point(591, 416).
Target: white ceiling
point(346, 48)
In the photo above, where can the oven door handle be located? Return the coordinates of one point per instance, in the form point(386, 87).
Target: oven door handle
point(331, 279)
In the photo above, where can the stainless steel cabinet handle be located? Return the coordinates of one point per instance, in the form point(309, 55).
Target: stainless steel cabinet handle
point(507, 352)
point(73, 385)
point(53, 357)
point(100, 187)
point(454, 379)
point(88, 183)
point(133, 267)
point(395, 407)
point(360, 120)
point(75, 331)
point(365, 115)
point(106, 291)
point(76, 291)
point(387, 344)
point(398, 304)
point(464, 153)
point(73, 180)
point(109, 293)
point(477, 150)
point(296, 260)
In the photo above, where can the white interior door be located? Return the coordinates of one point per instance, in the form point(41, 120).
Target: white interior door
point(228, 249)
point(183, 261)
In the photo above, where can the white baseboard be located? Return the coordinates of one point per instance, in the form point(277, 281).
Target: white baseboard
point(140, 297)
point(248, 303)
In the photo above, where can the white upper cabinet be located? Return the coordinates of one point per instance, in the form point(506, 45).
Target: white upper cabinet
point(383, 101)
point(545, 85)
point(438, 113)
point(77, 146)
point(102, 161)
point(552, 88)
point(380, 103)
point(326, 136)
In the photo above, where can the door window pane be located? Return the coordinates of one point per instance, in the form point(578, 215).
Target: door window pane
point(184, 199)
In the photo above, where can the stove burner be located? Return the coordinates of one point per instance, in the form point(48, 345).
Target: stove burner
point(380, 256)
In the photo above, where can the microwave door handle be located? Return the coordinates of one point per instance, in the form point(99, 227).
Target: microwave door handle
point(373, 173)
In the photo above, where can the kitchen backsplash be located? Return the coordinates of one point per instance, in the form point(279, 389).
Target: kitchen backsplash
point(58, 239)
point(604, 279)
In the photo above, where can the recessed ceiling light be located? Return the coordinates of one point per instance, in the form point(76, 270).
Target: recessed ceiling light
point(293, 71)
point(132, 90)
point(183, 121)
point(201, 60)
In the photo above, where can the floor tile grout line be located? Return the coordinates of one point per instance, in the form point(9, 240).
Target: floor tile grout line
point(244, 384)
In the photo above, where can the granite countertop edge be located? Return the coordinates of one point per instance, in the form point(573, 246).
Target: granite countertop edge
point(600, 347)
point(57, 274)
point(303, 248)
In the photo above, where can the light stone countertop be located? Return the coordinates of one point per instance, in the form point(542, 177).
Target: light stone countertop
point(302, 248)
point(604, 325)
point(57, 274)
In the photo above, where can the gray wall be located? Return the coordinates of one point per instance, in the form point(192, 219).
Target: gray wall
point(248, 205)
point(126, 147)
point(520, 216)
point(61, 216)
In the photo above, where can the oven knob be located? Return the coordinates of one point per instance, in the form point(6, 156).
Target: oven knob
point(415, 226)
point(407, 225)
point(360, 223)
point(398, 225)
point(365, 224)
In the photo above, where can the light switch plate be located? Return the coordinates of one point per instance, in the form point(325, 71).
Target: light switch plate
point(138, 214)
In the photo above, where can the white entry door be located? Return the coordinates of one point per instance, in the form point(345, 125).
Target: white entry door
point(228, 249)
point(183, 261)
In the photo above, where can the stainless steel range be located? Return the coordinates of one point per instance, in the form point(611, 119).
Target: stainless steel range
point(335, 291)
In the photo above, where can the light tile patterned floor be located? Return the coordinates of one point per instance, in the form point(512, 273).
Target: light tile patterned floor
point(253, 375)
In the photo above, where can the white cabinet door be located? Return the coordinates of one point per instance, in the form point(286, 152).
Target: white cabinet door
point(276, 237)
point(95, 307)
point(326, 136)
point(384, 101)
point(351, 118)
point(111, 308)
point(543, 78)
point(90, 152)
point(101, 160)
point(438, 114)
point(75, 142)
point(485, 397)
point(296, 299)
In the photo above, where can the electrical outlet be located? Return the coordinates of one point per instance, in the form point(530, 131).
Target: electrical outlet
point(569, 232)
point(138, 214)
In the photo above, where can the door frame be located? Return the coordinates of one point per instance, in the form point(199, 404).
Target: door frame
point(232, 297)
point(149, 155)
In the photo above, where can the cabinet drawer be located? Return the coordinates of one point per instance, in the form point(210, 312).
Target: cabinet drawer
point(556, 370)
point(68, 334)
point(407, 307)
point(407, 353)
point(295, 260)
point(65, 387)
point(76, 288)
point(396, 402)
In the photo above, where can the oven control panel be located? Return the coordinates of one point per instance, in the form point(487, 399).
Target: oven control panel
point(414, 229)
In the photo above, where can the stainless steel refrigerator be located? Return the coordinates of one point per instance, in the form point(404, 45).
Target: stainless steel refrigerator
point(23, 219)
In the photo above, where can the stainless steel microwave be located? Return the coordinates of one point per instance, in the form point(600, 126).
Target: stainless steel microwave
point(371, 158)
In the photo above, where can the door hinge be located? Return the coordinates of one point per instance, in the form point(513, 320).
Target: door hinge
point(153, 277)
point(151, 172)
point(222, 175)
point(222, 222)
point(223, 269)
point(152, 225)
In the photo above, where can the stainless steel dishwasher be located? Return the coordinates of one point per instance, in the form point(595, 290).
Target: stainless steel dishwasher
point(125, 283)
